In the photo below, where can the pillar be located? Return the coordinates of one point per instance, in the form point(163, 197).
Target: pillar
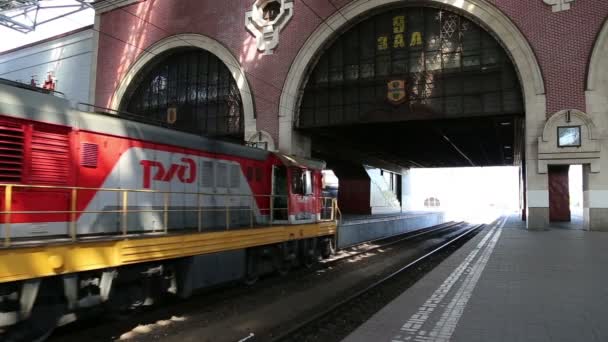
point(537, 184)
point(354, 189)
point(537, 197)
point(407, 201)
point(595, 197)
point(522, 192)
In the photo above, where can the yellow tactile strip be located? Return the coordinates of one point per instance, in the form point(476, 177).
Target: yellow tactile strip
point(42, 261)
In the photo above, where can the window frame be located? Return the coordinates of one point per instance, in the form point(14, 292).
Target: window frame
point(580, 136)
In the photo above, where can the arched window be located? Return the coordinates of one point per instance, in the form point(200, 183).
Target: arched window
point(432, 202)
point(410, 63)
point(190, 90)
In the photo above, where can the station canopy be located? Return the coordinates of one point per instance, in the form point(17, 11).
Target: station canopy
point(26, 15)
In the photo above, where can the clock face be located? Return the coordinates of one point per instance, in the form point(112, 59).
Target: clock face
point(569, 136)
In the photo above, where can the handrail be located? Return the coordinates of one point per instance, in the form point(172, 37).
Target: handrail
point(257, 213)
point(30, 87)
point(337, 209)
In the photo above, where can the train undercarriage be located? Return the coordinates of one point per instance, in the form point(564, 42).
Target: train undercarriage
point(31, 309)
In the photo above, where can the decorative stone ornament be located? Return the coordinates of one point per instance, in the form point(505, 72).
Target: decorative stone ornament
point(559, 5)
point(266, 20)
point(262, 140)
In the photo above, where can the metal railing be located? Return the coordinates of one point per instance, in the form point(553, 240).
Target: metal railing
point(124, 204)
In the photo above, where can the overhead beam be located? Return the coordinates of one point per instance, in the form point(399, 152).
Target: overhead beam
point(26, 15)
point(458, 150)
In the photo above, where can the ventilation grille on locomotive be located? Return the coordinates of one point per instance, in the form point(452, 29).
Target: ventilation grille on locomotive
point(11, 152)
point(50, 157)
point(89, 154)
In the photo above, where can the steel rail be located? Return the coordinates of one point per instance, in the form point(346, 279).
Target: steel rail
point(371, 287)
point(405, 237)
point(451, 223)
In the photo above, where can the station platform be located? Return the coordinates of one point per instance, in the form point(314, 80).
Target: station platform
point(354, 229)
point(505, 284)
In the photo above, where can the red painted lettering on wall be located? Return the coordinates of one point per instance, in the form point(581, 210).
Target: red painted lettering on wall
point(155, 170)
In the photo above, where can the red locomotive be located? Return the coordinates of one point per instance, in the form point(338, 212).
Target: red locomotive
point(88, 180)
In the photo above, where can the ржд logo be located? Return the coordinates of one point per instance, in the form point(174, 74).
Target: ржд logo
point(186, 172)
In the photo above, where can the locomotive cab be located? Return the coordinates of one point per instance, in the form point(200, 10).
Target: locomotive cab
point(296, 190)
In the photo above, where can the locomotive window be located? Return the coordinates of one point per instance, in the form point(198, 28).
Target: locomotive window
point(307, 178)
point(258, 174)
point(235, 176)
point(301, 182)
point(297, 186)
point(207, 174)
point(249, 173)
point(222, 177)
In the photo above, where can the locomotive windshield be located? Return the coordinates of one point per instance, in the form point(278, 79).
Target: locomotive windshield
point(301, 181)
point(279, 192)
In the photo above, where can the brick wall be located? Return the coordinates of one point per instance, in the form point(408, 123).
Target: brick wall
point(561, 41)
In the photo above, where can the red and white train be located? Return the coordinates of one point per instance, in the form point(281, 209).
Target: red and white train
point(72, 177)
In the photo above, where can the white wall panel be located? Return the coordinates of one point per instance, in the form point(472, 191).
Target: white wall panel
point(68, 58)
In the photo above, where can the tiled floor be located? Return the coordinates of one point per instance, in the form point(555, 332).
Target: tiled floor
point(506, 284)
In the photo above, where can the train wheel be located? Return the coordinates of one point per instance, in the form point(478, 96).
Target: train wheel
point(327, 248)
point(281, 263)
point(41, 324)
point(282, 258)
point(308, 260)
point(251, 279)
point(251, 271)
point(283, 266)
point(308, 255)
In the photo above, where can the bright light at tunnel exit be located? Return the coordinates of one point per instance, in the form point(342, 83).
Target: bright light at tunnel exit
point(472, 194)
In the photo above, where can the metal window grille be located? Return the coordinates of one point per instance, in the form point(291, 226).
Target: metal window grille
point(450, 66)
point(188, 90)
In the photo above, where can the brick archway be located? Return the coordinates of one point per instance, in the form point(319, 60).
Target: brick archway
point(480, 11)
point(488, 15)
point(597, 81)
point(205, 43)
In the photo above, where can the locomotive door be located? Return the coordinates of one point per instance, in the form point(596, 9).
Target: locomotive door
point(559, 193)
point(279, 192)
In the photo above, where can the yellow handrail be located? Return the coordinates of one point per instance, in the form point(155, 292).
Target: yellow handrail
point(336, 209)
point(122, 199)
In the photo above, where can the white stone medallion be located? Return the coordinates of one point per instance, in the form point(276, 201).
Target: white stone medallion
point(559, 5)
point(266, 20)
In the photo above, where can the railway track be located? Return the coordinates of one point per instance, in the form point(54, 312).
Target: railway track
point(372, 245)
point(338, 319)
point(239, 305)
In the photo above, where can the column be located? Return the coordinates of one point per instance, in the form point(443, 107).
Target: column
point(595, 196)
point(406, 191)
